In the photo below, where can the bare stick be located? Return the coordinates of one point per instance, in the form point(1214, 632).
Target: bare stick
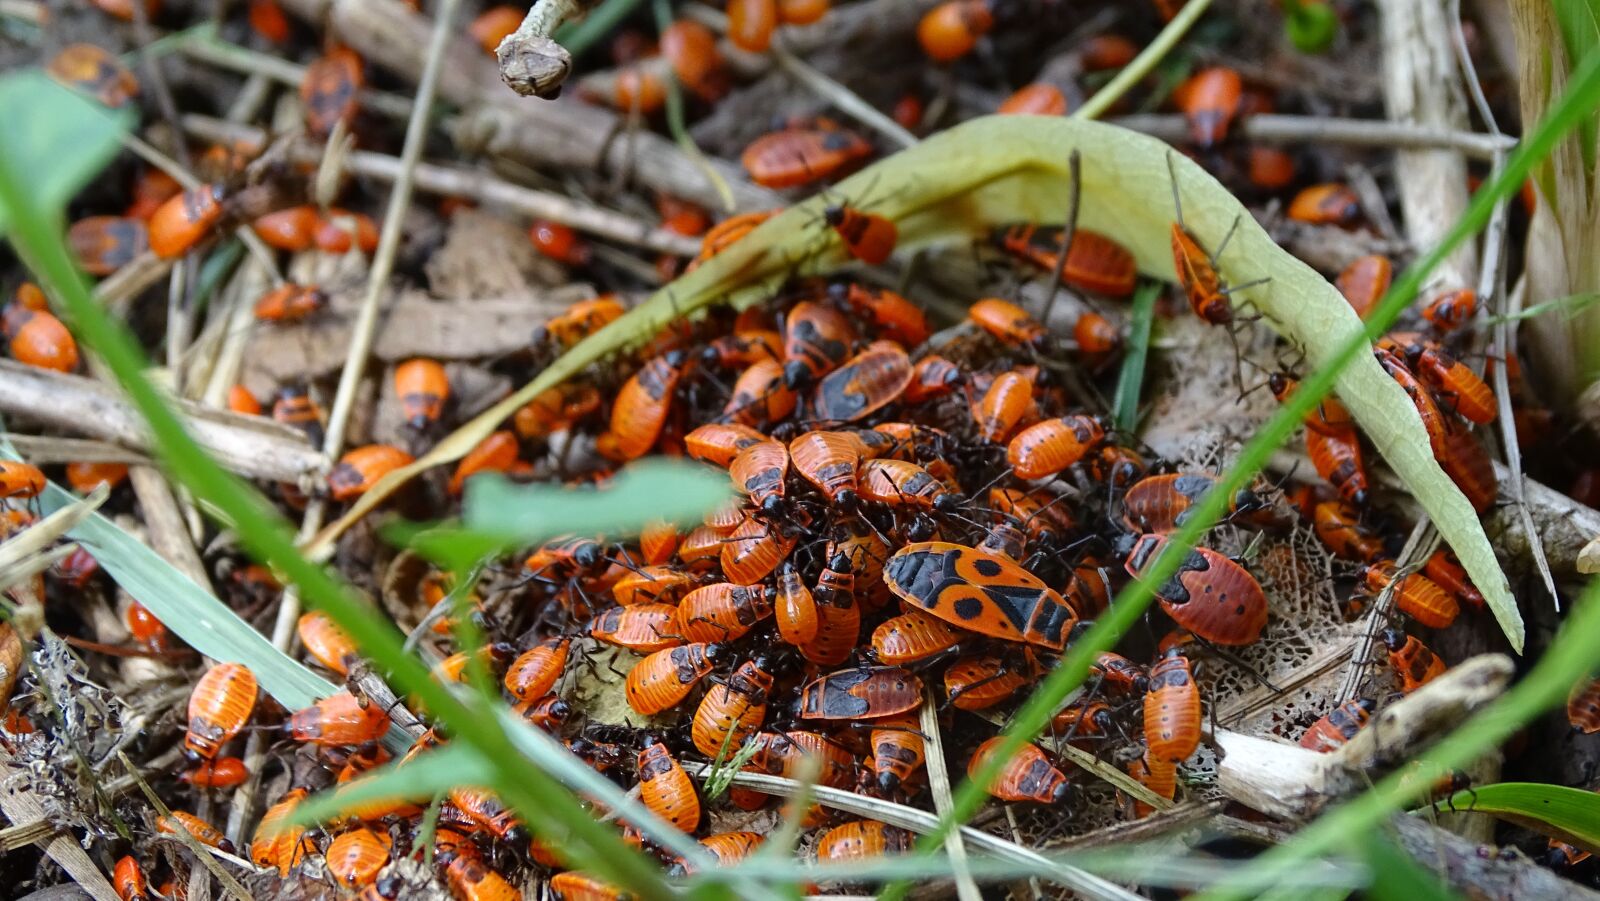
point(1086, 884)
point(939, 787)
point(847, 101)
point(249, 445)
point(461, 182)
point(1069, 231)
point(531, 62)
point(1276, 128)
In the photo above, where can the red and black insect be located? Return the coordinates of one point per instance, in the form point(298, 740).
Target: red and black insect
point(1340, 530)
point(893, 317)
point(1210, 595)
point(642, 405)
point(860, 692)
point(1364, 282)
point(643, 629)
point(665, 788)
point(898, 752)
point(864, 839)
point(1161, 503)
point(816, 340)
point(1337, 459)
point(1451, 310)
point(1027, 775)
point(723, 612)
point(803, 153)
point(1007, 322)
point(329, 90)
point(1095, 263)
point(1048, 447)
point(733, 710)
point(868, 237)
point(663, 679)
point(982, 681)
point(1172, 711)
point(219, 707)
point(1416, 595)
point(1209, 100)
point(1339, 726)
point(291, 303)
point(864, 384)
point(950, 30)
point(339, 719)
point(838, 614)
point(1413, 662)
point(980, 592)
point(1003, 407)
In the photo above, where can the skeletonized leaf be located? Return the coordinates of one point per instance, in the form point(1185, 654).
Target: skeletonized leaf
point(962, 182)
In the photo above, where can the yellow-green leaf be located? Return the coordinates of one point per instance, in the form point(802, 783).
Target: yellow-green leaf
point(959, 184)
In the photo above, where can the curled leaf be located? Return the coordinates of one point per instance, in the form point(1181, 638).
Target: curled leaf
point(959, 184)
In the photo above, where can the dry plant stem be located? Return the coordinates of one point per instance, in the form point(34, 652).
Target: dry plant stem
point(557, 134)
point(207, 856)
point(1275, 128)
point(1420, 87)
point(235, 58)
point(389, 239)
point(24, 834)
point(450, 181)
point(1464, 866)
point(118, 289)
point(1070, 230)
point(1180, 816)
point(21, 805)
point(1085, 884)
point(939, 788)
point(1378, 617)
point(1491, 283)
point(25, 11)
point(43, 451)
point(531, 62)
point(1293, 783)
point(249, 445)
point(1561, 524)
point(164, 524)
point(1148, 58)
point(846, 100)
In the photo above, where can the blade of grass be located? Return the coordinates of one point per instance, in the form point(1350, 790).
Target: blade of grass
point(429, 774)
point(608, 15)
point(1130, 382)
point(1395, 876)
point(38, 238)
point(1569, 814)
point(1148, 59)
point(1125, 610)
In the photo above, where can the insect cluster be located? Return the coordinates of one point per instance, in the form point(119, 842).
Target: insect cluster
point(925, 520)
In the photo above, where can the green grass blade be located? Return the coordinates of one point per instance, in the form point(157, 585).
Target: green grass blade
point(60, 138)
point(1395, 876)
point(1130, 382)
point(1569, 814)
point(429, 774)
point(521, 515)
